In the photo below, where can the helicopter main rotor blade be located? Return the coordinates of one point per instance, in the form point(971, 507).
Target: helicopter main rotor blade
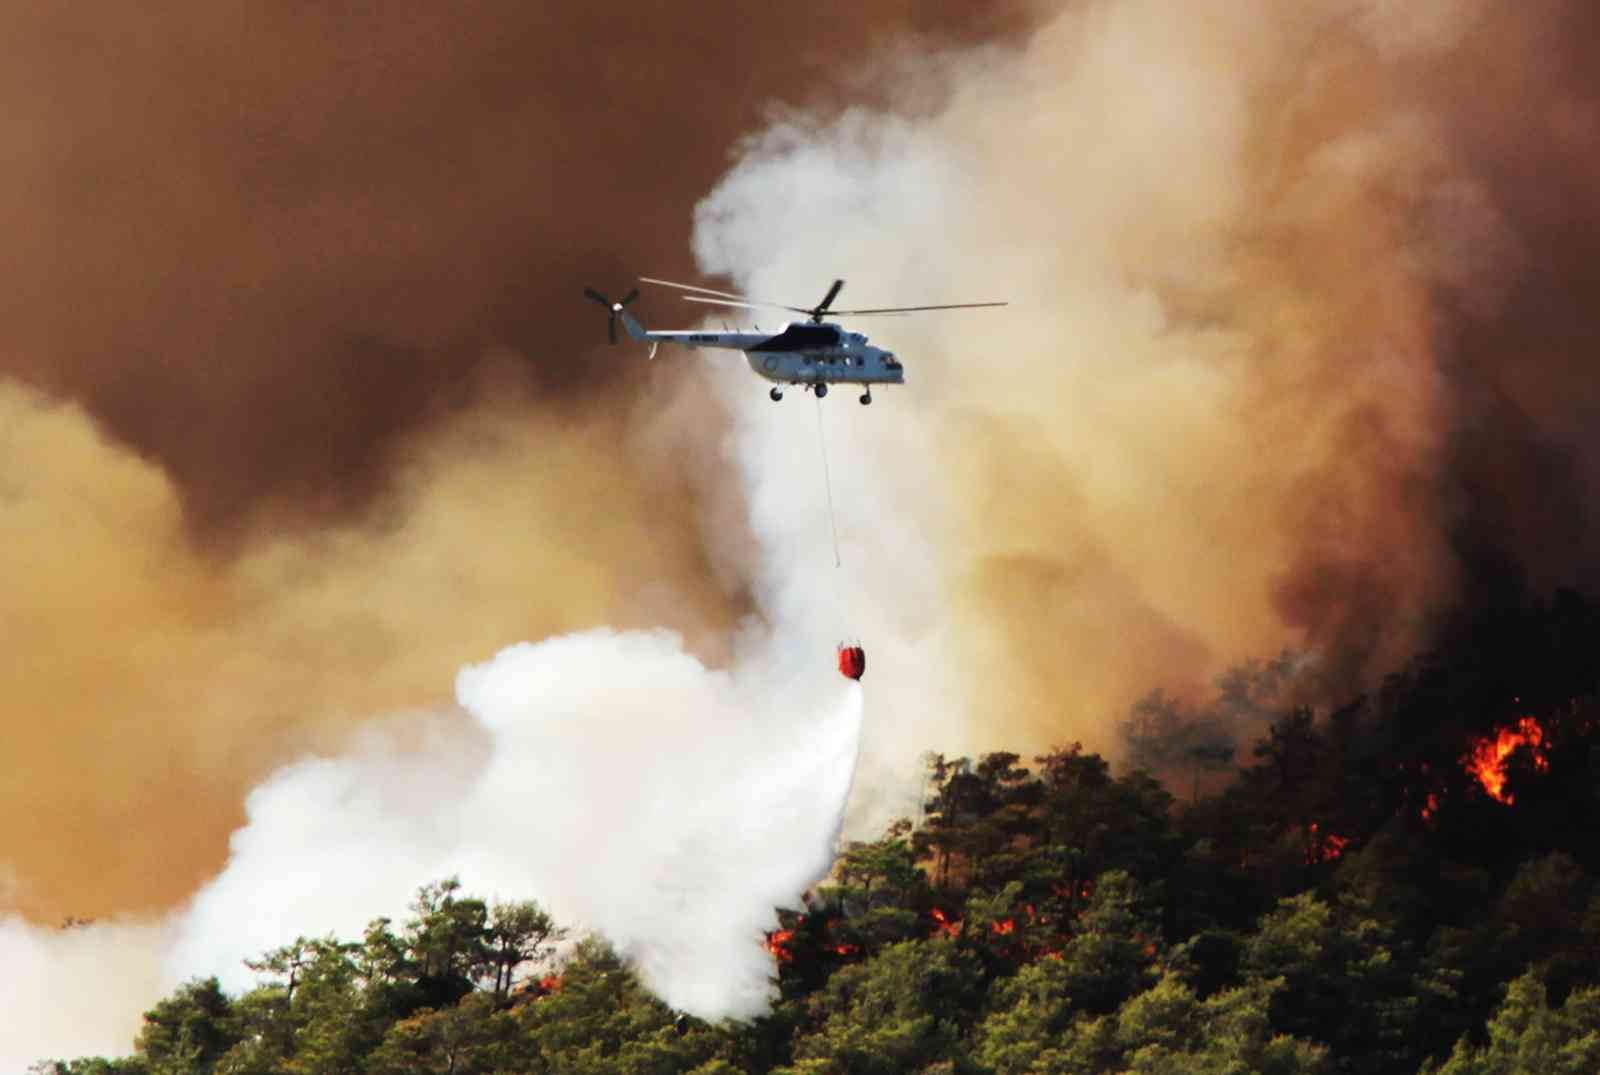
point(914, 309)
point(726, 295)
point(728, 298)
point(827, 300)
point(597, 297)
point(692, 287)
point(629, 297)
point(745, 305)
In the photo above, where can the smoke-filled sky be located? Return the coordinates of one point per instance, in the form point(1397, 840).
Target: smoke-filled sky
point(302, 407)
point(302, 411)
point(1302, 346)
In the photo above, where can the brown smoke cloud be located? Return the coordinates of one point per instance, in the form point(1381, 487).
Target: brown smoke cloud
point(148, 686)
point(1355, 410)
point(303, 408)
point(260, 243)
point(1302, 344)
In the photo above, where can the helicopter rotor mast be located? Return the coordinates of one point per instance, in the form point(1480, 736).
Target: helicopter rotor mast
point(827, 301)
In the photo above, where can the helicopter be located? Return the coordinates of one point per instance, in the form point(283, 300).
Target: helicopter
point(812, 354)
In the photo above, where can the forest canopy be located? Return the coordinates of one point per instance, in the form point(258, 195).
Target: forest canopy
point(1401, 882)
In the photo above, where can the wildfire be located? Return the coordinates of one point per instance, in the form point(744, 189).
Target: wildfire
point(777, 943)
point(1082, 890)
point(1487, 759)
point(945, 925)
point(1324, 848)
point(844, 949)
point(1004, 926)
point(1430, 806)
point(551, 983)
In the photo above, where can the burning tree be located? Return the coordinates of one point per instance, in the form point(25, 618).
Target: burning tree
point(1490, 756)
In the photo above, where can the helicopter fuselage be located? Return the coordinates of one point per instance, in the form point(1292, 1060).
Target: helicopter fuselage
point(804, 353)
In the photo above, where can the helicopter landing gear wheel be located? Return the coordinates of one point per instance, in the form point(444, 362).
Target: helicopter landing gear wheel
point(776, 394)
point(822, 390)
point(866, 397)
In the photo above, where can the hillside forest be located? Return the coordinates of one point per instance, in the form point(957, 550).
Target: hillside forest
point(1276, 882)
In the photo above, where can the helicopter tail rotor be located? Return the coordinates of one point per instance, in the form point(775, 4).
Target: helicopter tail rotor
point(615, 308)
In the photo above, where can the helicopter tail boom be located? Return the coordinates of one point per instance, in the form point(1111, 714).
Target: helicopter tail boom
point(635, 331)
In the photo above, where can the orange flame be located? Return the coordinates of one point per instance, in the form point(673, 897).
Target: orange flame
point(844, 949)
point(1487, 760)
point(946, 926)
point(1320, 848)
point(551, 983)
point(777, 943)
point(1004, 926)
point(1430, 806)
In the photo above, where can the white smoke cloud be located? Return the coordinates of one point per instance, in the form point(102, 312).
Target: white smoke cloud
point(612, 776)
point(74, 991)
point(619, 781)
